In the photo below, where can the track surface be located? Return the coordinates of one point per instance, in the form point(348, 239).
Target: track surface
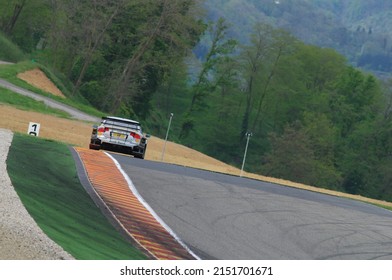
point(226, 217)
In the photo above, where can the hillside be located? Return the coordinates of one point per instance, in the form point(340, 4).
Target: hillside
point(314, 118)
point(360, 30)
point(77, 133)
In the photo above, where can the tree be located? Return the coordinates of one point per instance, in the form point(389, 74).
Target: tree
point(252, 58)
point(323, 137)
point(206, 82)
point(282, 43)
point(291, 156)
point(95, 25)
point(64, 35)
point(9, 23)
point(353, 100)
point(168, 30)
point(25, 22)
point(321, 66)
point(220, 47)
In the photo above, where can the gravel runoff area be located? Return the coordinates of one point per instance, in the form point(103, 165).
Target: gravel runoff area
point(20, 236)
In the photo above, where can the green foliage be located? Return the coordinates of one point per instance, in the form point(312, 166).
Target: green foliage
point(9, 73)
point(314, 118)
point(354, 101)
point(59, 204)
point(291, 156)
point(322, 122)
point(25, 22)
point(9, 51)
point(94, 92)
point(160, 36)
point(27, 103)
point(217, 55)
point(294, 156)
point(358, 29)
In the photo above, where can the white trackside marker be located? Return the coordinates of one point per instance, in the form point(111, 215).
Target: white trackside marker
point(33, 129)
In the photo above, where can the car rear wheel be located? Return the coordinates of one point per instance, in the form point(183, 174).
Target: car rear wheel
point(94, 146)
point(141, 156)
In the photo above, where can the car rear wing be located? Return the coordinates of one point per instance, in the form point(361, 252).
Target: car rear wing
point(121, 124)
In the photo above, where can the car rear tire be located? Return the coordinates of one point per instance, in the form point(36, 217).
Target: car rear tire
point(141, 156)
point(94, 147)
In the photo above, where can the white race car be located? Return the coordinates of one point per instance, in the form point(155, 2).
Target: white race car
point(121, 135)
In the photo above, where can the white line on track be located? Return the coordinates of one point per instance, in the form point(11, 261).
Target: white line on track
point(148, 207)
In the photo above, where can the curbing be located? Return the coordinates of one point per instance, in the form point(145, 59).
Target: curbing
point(114, 193)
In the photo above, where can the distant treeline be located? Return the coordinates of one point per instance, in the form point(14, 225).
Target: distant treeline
point(358, 29)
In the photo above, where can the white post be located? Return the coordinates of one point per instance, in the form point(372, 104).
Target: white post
point(248, 135)
point(167, 135)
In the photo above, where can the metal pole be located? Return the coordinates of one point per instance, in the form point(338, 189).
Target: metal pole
point(248, 135)
point(167, 135)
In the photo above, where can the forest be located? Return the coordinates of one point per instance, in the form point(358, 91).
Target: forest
point(314, 118)
point(358, 29)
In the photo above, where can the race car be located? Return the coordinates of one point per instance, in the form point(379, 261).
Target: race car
point(120, 135)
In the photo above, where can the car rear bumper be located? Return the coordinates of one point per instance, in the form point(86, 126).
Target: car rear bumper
point(103, 144)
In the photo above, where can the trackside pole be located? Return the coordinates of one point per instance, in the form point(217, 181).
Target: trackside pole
point(248, 135)
point(167, 134)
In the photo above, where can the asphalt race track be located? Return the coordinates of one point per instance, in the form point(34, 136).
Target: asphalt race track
point(226, 217)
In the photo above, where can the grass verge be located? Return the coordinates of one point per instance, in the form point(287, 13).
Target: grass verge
point(59, 204)
point(27, 103)
point(10, 72)
point(10, 51)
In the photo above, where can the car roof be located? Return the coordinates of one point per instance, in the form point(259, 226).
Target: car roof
point(120, 119)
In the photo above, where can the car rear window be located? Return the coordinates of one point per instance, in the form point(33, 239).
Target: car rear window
point(129, 125)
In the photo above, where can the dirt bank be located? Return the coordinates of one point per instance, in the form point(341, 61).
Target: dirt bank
point(39, 80)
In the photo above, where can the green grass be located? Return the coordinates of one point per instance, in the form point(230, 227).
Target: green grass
point(44, 176)
point(382, 206)
point(10, 72)
point(9, 51)
point(27, 103)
